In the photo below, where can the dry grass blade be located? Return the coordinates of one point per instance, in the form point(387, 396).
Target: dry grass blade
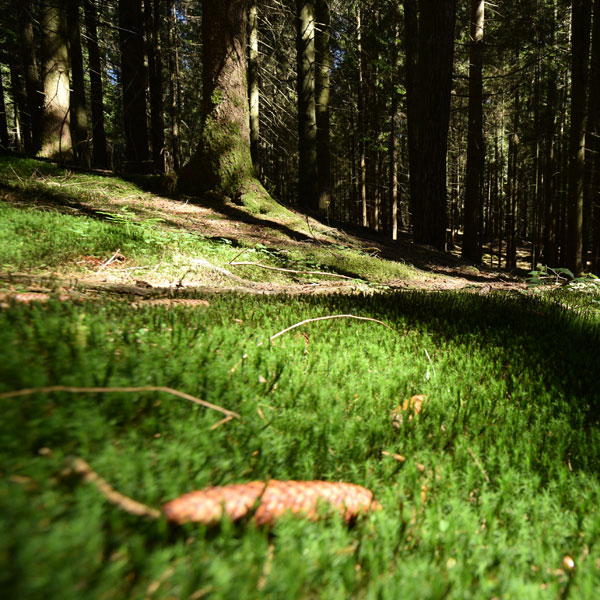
point(269, 501)
point(327, 318)
point(107, 390)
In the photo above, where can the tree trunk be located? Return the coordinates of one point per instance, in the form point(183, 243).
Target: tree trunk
point(393, 144)
point(436, 51)
point(99, 153)
point(4, 138)
point(307, 123)
point(157, 122)
point(593, 139)
point(19, 101)
point(55, 127)
point(580, 39)
point(475, 151)
point(322, 102)
point(411, 49)
point(222, 161)
point(362, 167)
point(33, 84)
point(175, 113)
point(254, 85)
point(78, 116)
point(133, 84)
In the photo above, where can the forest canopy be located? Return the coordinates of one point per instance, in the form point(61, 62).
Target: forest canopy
point(466, 124)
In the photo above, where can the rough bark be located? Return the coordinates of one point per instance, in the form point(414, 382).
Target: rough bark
point(99, 152)
point(174, 112)
point(254, 85)
point(133, 84)
point(475, 150)
point(434, 83)
point(307, 124)
point(222, 161)
point(55, 132)
point(33, 84)
point(4, 138)
point(322, 34)
point(593, 139)
point(153, 45)
point(580, 38)
point(78, 116)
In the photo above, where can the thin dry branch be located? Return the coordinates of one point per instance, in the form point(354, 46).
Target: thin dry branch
point(483, 471)
point(257, 264)
point(105, 390)
point(79, 466)
point(326, 318)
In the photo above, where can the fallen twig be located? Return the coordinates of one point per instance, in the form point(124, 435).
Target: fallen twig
point(104, 390)
point(256, 264)
point(326, 318)
point(486, 476)
point(110, 260)
point(125, 503)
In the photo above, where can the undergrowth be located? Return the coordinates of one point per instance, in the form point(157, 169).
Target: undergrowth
point(498, 484)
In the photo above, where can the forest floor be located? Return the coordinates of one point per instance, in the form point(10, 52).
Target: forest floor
point(243, 248)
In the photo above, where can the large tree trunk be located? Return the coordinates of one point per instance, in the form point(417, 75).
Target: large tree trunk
point(157, 122)
point(322, 101)
point(99, 154)
point(222, 161)
point(307, 124)
point(79, 121)
point(253, 85)
point(580, 39)
point(133, 83)
point(55, 127)
point(471, 248)
point(33, 83)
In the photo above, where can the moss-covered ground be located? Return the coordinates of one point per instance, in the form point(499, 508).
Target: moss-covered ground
point(490, 492)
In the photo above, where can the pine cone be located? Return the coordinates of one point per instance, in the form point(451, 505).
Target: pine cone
point(270, 501)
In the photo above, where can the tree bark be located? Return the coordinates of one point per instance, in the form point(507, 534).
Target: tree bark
point(254, 85)
point(471, 248)
point(133, 84)
point(33, 84)
point(153, 46)
point(174, 111)
point(307, 125)
point(222, 161)
point(322, 83)
point(78, 116)
point(55, 126)
point(99, 152)
point(4, 138)
point(580, 38)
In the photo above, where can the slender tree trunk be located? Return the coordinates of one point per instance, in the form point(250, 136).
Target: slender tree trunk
point(174, 110)
point(99, 153)
point(4, 138)
point(393, 144)
point(475, 150)
point(362, 167)
point(79, 121)
point(593, 138)
point(153, 45)
point(133, 84)
point(254, 84)
point(222, 161)
point(307, 123)
point(55, 125)
point(19, 102)
point(322, 102)
point(411, 49)
point(33, 82)
point(580, 39)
